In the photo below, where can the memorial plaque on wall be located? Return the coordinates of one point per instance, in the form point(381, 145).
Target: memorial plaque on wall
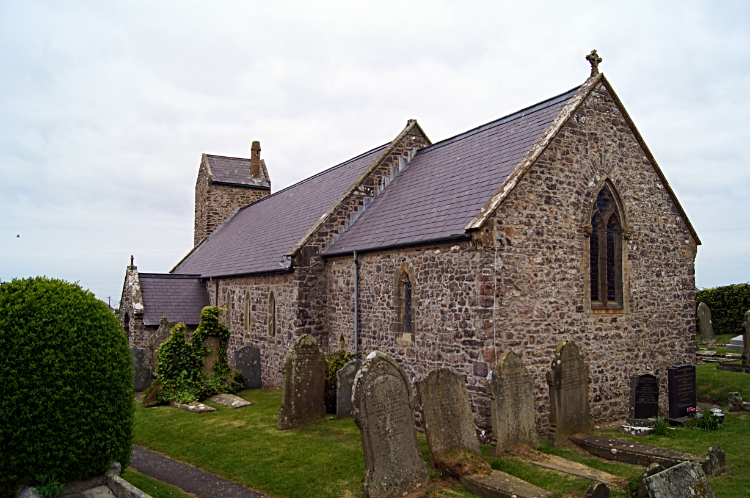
point(644, 398)
point(682, 390)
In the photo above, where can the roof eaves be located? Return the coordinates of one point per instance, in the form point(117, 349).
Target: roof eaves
point(244, 185)
point(651, 158)
point(534, 152)
point(410, 126)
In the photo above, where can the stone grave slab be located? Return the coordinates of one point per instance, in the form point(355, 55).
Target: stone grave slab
point(383, 409)
point(247, 362)
point(568, 381)
point(446, 409)
point(736, 343)
point(229, 400)
point(685, 480)
point(682, 390)
point(512, 405)
point(211, 358)
point(733, 368)
point(195, 406)
point(157, 339)
point(620, 450)
point(304, 371)
point(706, 327)
point(502, 485)
point(578, 469)
point(597, 491)
point(344, 384)
point(143, 377)
point(746, 340)
point(644, 400)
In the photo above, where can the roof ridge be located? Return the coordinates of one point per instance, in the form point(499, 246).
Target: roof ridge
point(169, 275)
point(229, 157)
point(505, 119)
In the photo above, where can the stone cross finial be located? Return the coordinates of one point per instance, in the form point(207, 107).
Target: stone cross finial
point(131, 260)
point(594, 60)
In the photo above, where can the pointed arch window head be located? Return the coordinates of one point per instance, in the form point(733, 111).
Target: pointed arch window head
point(605, 252)
point(405, 305)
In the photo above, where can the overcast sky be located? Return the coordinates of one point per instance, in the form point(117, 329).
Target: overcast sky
point(106, 107)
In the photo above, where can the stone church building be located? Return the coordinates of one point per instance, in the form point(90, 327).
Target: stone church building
point(551, 223)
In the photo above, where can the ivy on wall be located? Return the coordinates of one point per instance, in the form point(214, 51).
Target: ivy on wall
point(179, 367)
point(728, 305)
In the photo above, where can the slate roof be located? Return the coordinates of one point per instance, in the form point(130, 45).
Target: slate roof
point(447, 183)
point(236, 171)
point(258, 236)
point(178, 297)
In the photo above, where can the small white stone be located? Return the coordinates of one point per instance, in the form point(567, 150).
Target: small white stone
point(371, 355)
point(614, 451)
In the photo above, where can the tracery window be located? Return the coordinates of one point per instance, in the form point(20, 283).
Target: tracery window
point(605, 252)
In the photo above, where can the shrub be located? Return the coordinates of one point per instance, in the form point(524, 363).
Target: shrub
point(179, 375)
point(66, 384)
point(336, 361)
point(728, 305)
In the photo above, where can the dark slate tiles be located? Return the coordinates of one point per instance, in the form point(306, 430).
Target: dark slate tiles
point(235, 170)
point(258, 237)
point(446, 184)
point(178, 297)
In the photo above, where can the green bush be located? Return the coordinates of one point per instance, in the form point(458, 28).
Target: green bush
point(336, 361)
point(179, 375)
point(66, 384)
point(728, 305)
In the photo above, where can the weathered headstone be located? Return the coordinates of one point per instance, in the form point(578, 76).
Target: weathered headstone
point(707, 329)
point(247, 362)
point(512, 405)
point(143, 377)
point(446, 409)
point(746, 340)
point(211, 358)
point(569, 394)
point(344, 384)
point(597, 490)
point(716, 462)
point(682, 390)
point(644, 399)
point(736, 404)
point(304, 372)
point(157, 339)
point(641, 491)
point(684, 480)
point(384, 412)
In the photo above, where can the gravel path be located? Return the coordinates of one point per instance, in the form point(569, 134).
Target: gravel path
point(186, 477)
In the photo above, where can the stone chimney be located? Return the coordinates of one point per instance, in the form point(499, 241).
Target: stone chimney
point(255, 159)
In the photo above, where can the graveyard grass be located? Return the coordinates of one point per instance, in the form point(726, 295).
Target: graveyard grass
point(325, 459)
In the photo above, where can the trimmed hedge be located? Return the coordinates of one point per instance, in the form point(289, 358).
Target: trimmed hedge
point(728, 305)
point(66, 384)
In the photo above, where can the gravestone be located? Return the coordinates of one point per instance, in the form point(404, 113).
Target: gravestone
point(568, 381)
point(344, 384)
point(247, 362)
point(512, 405)
point(682, 390)
point(383, 409)
point(157, 339)
point(707, 329)
point(597, 490)
point(684, 480)
point(446, 409)
point(641, 491)
point(304, 372)
point(746, 340)
point(143, 377)
point(644, 399)
point(211, 358)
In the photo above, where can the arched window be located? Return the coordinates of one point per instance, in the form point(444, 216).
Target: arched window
point(126, 323)
point(247, 312)
point(228, 307)
point(405, 305)
point(605, 252)
point(271, 315)
point(342, 343)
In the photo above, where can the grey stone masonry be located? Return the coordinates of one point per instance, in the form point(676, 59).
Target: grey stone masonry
point(706, 327)
point(384, 412)
point(512, 405)
point(446, 411)
point(304, 372)
point(344, 384)
point(143, 377)
point(568, 394)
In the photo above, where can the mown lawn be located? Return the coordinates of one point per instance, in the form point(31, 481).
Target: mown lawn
point(325, 460)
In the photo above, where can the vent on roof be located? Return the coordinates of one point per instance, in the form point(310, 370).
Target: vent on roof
point(385, 180)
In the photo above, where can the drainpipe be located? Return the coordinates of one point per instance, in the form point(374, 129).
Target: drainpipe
point(356, 303)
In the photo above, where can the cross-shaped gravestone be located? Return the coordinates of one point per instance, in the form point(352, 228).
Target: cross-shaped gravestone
point(594, 60)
